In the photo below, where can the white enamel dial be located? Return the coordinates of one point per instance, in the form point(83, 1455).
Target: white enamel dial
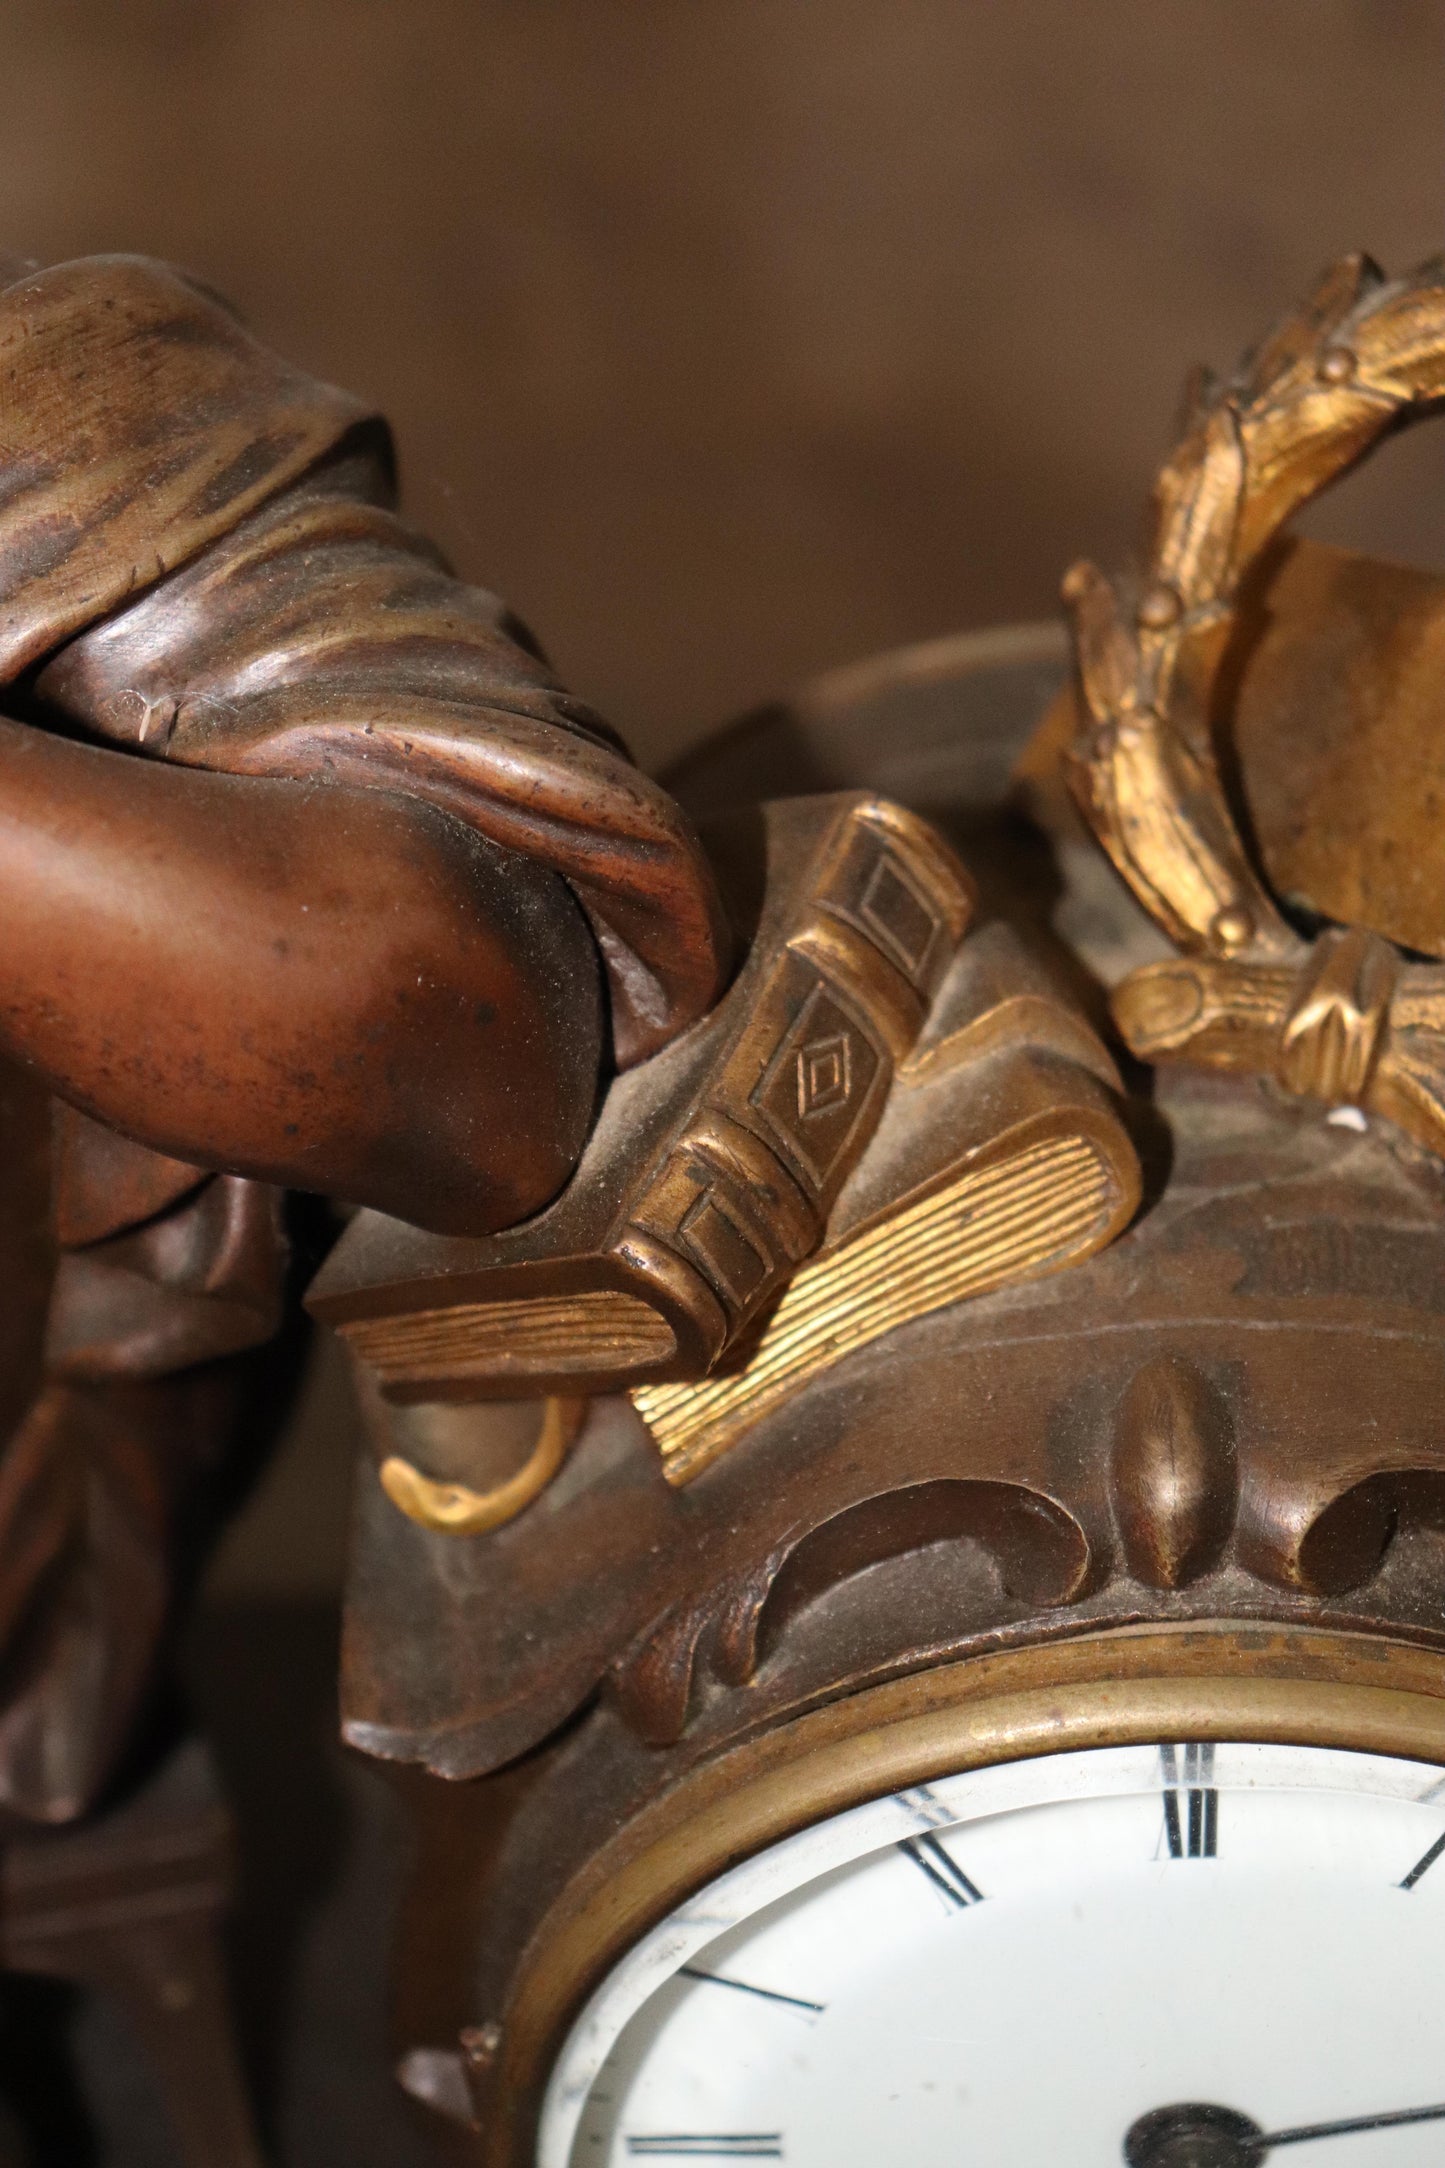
point(1177, 1957)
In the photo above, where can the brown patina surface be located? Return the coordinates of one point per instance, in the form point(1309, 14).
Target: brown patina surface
point(313, 879)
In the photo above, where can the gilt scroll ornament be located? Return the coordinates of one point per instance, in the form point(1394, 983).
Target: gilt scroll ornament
point(1342, 1017)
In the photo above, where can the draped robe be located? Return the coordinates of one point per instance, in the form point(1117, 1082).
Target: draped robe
point(201, 563)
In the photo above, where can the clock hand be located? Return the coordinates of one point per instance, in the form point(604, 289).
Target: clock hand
point(1302, 2131)
point(1199, 2134)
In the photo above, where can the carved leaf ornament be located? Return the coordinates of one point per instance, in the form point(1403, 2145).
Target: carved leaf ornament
point(1343, 1018)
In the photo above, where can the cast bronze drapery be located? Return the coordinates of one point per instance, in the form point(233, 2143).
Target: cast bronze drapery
point(312, 878)
point(377, 986)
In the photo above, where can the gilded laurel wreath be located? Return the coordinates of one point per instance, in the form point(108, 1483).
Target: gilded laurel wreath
point(1343, 1018)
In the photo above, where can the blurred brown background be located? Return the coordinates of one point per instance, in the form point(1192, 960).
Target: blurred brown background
point(730, 339)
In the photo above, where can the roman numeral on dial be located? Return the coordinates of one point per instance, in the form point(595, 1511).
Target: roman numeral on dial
point(943, 1871)
point(1191, 1804)
point(691, 2145)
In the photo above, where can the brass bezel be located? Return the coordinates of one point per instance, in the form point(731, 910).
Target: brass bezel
point(1217, 1680)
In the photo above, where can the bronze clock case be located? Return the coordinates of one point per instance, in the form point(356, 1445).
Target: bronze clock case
point(1192, 1488)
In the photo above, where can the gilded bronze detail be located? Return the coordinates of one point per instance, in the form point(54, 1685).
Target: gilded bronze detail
point(1341, 1018)
point(1049, 1204)
point(877, 1123)
point(999, 1156)
point(455, 1508)
point(712, 1170)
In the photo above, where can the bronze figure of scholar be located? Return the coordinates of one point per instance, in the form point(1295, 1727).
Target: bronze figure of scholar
point(311, 878)
point(315, 881)
point(808, 1357)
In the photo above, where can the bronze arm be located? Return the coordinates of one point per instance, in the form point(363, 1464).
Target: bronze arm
point(335, 989)
point(310, 873)
point(362, 964)
point(200, 560)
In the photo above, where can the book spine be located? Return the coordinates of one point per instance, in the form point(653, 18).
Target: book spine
point(743, 1193)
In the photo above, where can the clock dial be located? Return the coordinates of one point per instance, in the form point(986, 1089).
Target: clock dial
point(1186, 1956)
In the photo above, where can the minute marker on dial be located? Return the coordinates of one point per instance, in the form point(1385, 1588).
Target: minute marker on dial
point(690, 2145)
point(746, 1987)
